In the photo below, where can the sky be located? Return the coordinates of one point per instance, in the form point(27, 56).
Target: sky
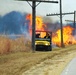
point(42, 9)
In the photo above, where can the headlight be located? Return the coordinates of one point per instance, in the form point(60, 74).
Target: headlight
point(35, 43)
point(46, 44)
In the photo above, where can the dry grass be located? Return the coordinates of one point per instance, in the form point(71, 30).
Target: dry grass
point(4, 45)
point(20, 44)
point(18, 62)
point(8, 45)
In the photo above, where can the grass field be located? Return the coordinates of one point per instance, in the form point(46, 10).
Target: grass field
point(18, 62)
point(8, 45)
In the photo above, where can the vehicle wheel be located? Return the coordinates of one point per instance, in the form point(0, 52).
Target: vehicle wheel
point(49, 48)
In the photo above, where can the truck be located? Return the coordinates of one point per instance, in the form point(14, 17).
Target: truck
point(42, 43)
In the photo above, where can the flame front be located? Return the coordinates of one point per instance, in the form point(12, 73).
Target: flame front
point(68, 38)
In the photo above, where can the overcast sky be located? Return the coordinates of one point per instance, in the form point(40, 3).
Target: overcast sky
point(42, 9)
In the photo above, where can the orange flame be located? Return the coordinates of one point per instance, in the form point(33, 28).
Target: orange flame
point(39, 24)
point(68, 38)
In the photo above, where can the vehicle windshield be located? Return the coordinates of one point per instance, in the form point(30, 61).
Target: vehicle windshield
point(42, 36)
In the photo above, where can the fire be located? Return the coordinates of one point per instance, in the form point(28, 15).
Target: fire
point(39, 24)
point(68, 38)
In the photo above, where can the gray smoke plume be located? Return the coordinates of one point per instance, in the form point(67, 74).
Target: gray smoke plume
point(13, 23)
point(50, 25)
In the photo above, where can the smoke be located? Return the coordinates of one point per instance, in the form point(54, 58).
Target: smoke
point(52, 26)
point(47, 20)
point(13, 23)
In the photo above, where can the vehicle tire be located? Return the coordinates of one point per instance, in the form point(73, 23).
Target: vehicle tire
point(49, 48)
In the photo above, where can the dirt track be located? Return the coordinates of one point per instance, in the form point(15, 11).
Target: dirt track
point(53, 66)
